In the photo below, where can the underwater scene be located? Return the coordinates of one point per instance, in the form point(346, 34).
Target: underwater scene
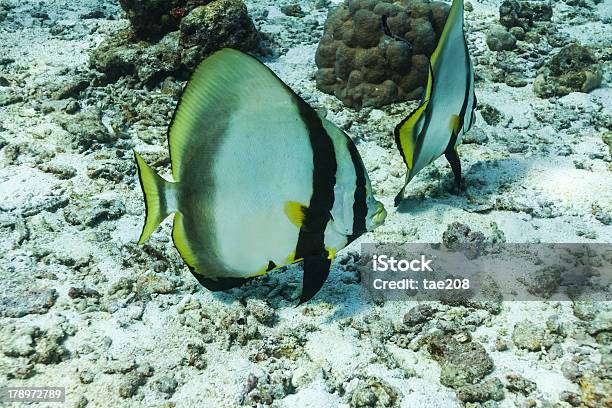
point(306, 203)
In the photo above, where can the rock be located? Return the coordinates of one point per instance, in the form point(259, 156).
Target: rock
point(572, 69)
point(475, 136)
point(492, 389)
point(517, 32)
point(419, 314)
point(595, 391)
point(151, 19)
point(81, 402)
point(544, 281)
point(460, 237)
point(92, 212)
point(121, 366)
point(261, 311)
point(570, 370)
point(518, 383)
point(491, 115)
point(9, 98)
point(196, 356)
point(515, 80)
point(461, 363)
point(302, 376)
point(524, 14)
point(28, 301)
point(49, 203)
point(86, 376)
point(501, 344)
point(166, 385)
point(111, 170)
point(571, 398)
point(39, 346)
point(374, 392)
point(129, 385)
point(17, 342)
point(606, 137)
point(22, 371)
point(554, 324)
point(174, 45)
point(71, 89)
point(149, 284)
point(499, 39)
point(79, 293)
point(118, 56)
point(87, 130)
point(145, 369)
point(220, 24)
point(601, 215)
point(292, 10)
point(62, 171)
point(48, 349)
point(362, 66)
point(530, 336)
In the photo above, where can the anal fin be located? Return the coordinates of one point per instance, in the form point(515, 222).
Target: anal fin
point(219, 284)
point(316, 271)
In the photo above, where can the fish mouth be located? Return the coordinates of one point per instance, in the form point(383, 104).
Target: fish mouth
point(379, 216)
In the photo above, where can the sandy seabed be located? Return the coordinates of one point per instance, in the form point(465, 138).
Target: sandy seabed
point(83, 307)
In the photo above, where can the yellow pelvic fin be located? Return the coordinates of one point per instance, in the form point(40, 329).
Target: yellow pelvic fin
point(331, 253)
point(296, 213)
point(454, 125)
point(156, 192)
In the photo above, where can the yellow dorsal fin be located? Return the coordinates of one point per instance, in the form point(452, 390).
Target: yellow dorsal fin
point(296, 213)
point(455, 16)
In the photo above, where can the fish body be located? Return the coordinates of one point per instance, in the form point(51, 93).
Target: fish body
point(446, 110)
point(260, 179)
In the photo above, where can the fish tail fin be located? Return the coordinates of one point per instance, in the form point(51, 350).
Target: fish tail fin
point(159, 195)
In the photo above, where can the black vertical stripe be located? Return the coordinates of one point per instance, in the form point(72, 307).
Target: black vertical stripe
point(466, 97)
point(360, 207)
point(311, 239)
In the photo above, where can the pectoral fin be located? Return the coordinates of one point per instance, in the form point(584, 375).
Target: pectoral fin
point(316, 271)
point(296, 213)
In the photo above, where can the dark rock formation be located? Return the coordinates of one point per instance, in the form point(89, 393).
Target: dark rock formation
point(573, 69)
point(159, 46)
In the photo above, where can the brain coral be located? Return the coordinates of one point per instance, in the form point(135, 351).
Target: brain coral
point(364, 67)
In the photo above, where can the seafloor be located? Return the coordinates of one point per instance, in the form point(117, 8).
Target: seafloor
point(83, 307)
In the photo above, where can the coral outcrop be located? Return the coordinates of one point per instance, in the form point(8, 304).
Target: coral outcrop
point(362, 66)
point(170, 38)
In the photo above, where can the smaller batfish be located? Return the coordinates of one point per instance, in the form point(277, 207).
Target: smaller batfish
point(260, 179)
point(447, 106)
